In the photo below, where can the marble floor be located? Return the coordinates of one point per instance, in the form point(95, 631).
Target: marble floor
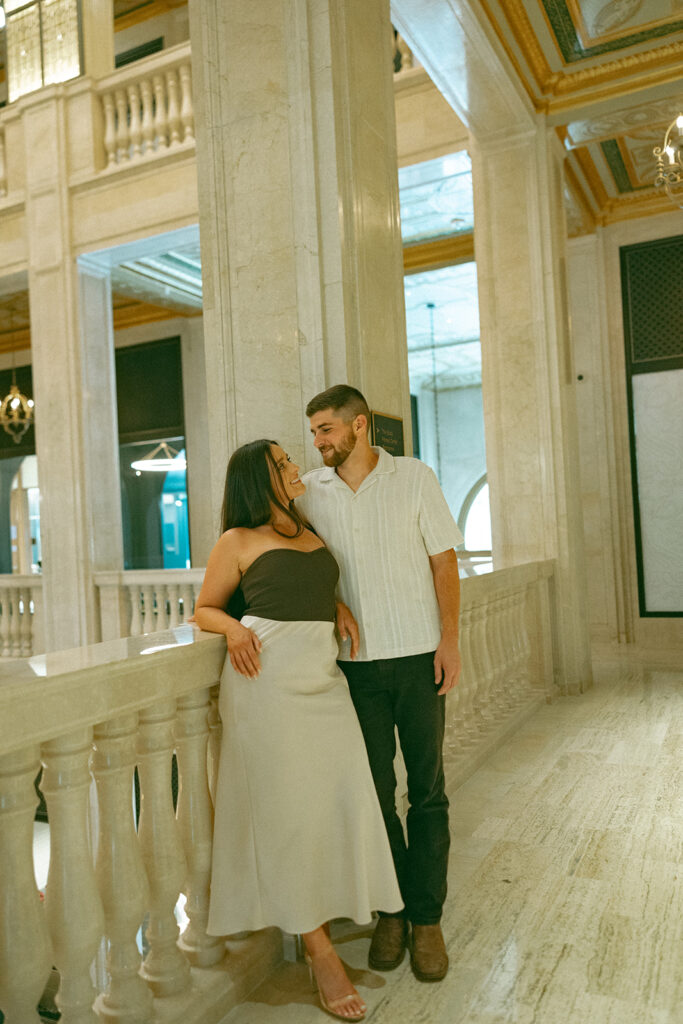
point(565, 883)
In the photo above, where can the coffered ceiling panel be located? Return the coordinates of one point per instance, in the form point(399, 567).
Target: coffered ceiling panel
point(608, 74)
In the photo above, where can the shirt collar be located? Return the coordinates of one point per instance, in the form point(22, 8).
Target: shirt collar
point(385, 464)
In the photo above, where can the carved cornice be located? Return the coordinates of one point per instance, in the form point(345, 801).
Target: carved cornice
point(562, 90)
point(525, 38)
point(442, 252)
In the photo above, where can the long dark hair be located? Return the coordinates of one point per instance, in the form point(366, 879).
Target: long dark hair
point(249, 493)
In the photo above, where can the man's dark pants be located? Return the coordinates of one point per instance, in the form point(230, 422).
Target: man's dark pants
point(401, 692)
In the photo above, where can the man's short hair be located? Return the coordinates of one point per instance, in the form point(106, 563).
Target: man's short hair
point(342, 399)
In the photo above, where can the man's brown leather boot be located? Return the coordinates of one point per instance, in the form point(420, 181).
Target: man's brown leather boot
point(388, 943)
point(428, 955)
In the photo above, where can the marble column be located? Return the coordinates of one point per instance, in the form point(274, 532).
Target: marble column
point(528, 377)
point(97, 32)
point(301, 251)
point(74, 390)
point(203, 523)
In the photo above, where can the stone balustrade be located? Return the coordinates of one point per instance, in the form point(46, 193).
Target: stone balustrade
point(92, 716)
point(21, 607)
point(147, 107)
point(146, 600)
point(97, 713)
point(507, 625)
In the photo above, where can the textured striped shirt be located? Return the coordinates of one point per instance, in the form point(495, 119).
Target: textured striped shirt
point(382, 536)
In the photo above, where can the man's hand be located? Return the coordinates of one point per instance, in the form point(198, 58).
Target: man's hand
point(348, 627)
point(447, 664)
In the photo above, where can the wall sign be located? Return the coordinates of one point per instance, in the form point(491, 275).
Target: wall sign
point(387, 432)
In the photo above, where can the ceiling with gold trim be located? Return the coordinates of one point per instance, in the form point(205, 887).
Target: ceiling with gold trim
point(609, 76)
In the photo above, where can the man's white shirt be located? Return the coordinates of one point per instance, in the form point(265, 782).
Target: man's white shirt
point(382, 536)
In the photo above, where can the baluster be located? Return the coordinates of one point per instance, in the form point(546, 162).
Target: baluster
point(5, 622)
point(513, 683)
point(135, 124)
point(510, 676)
point(195, 817)
point(37, 625)
point(25, 950)
point(482, 663)
point(165, 968)
point(122, 137)
point(468, 731)
point(135, 612)
point(174, 606)
point(160, 120)
point(174, 125)
point(187, 594)
point(72, 902)
point(148, 621)
point(120, 873)
point(215, 735)
point(162, 613)
point(186, 107)
point(3, 167)
point(147, 116)
point(26, 642)
point(15, 624)
point(109, 127)
point(522, 645)
point(499, 655)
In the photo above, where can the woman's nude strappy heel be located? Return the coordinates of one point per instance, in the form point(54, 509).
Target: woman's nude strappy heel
point(335, 1005)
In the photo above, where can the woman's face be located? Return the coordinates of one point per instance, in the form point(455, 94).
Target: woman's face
point(289, 486)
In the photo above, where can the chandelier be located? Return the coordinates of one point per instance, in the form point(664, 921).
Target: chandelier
point(16, 412)
point(670, 162)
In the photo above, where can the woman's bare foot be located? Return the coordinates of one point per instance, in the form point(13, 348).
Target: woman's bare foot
point(336, 992)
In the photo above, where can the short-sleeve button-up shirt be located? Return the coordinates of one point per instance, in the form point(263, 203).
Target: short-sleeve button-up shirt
point(382, 536)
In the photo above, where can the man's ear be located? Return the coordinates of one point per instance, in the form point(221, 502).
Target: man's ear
point(360, 421)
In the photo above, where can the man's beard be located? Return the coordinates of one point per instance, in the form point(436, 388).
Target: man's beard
point(339, 454)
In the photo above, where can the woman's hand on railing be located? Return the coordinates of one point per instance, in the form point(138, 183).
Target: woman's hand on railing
point(244, 648)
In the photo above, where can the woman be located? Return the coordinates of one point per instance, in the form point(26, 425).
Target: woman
point(298, 837)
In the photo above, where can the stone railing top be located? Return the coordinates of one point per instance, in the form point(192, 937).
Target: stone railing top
point(148, 577)
point(12, 579)
point(503, 579)
point(145, 67)
point(52, 694)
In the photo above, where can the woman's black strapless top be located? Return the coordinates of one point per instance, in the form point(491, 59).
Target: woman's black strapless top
point(290, 585)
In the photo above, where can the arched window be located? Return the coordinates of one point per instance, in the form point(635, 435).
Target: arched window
point(474, 521)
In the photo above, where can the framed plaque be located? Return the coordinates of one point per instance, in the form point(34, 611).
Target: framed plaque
point(387, 432)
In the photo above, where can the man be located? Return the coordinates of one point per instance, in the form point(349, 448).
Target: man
point(387, 523)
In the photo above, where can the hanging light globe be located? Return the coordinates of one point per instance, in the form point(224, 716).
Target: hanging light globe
point(16, 412)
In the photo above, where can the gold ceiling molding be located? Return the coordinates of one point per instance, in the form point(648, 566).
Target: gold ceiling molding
point(634, 205)
point(127, 312)
point(131, 312)
point(656, 67)
point(144, 12)
point(442, 252)
point(634, 63)
point(15, 341)
point(525, 37)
